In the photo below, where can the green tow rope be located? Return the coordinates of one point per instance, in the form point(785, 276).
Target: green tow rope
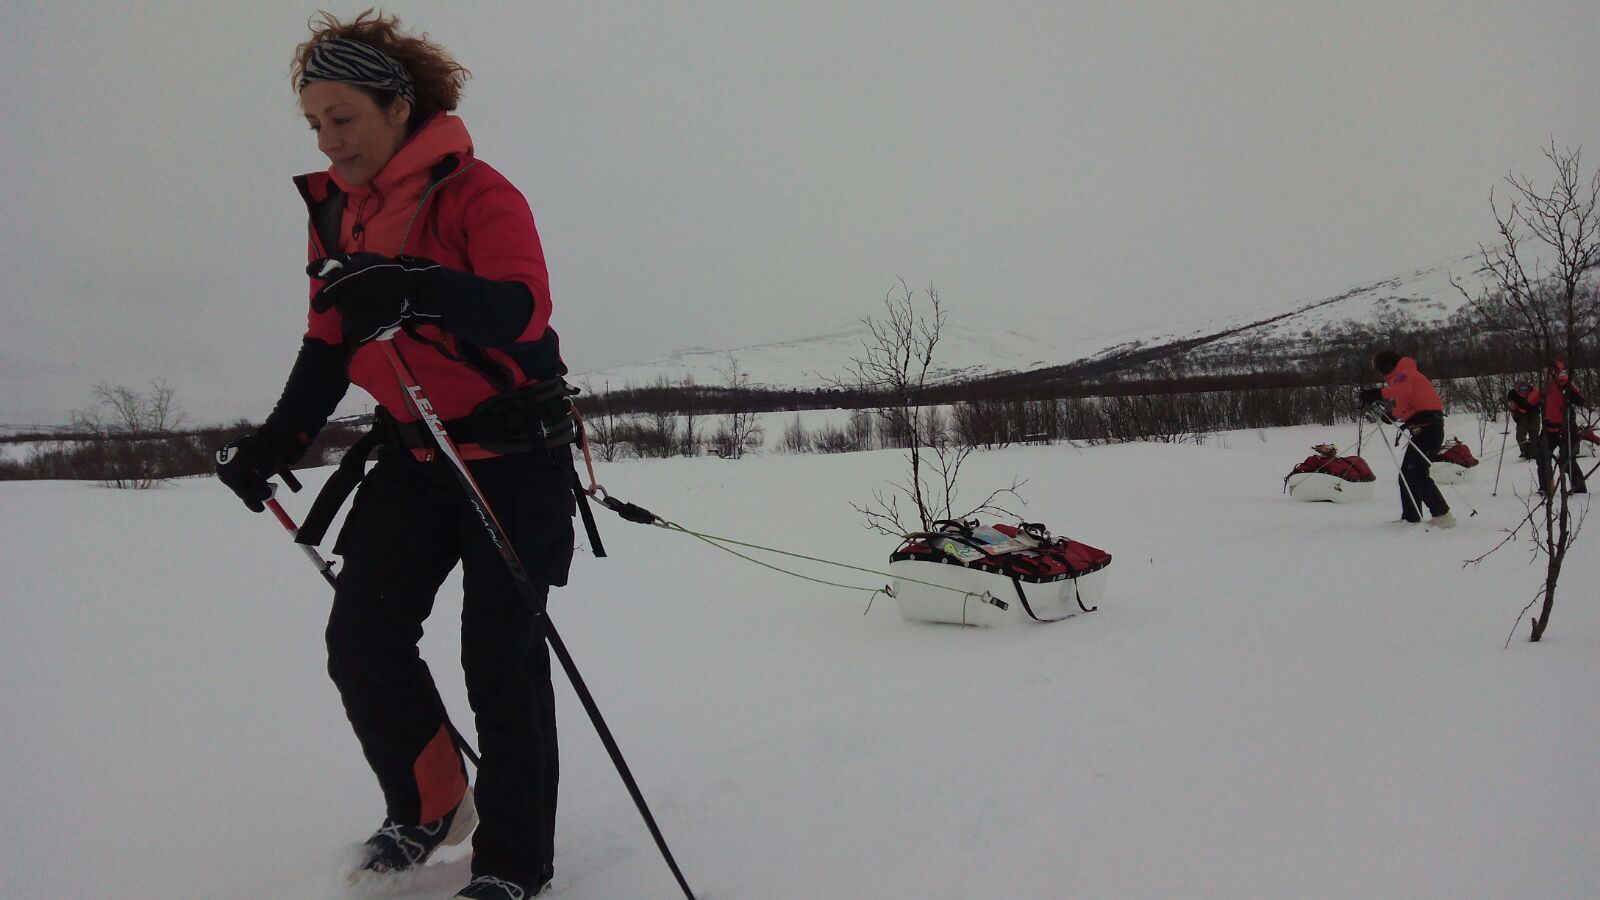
point(632, 512)
point(718, 542)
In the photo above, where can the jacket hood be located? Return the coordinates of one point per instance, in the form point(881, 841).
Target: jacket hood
point(1406, 366)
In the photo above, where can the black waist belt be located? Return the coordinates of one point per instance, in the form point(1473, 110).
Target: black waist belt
point(534, 418)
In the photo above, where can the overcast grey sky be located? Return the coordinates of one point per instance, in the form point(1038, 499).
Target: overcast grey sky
point(721, 174)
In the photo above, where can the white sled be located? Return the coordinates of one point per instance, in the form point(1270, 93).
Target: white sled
point(975, 597)
point(1322, 486)
point(1448, 473)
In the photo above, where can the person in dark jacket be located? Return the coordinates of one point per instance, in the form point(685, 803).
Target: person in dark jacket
point(1416, 405)
point(1560, 431)
point(1523, 404)
point(410, 231)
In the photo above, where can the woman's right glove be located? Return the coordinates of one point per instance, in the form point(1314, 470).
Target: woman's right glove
point(376, 293)
point(244, 464)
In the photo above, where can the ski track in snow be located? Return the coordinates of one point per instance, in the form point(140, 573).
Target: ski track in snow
point(1275, 699)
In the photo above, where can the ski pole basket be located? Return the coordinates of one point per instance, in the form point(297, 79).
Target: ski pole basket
point(964, 573)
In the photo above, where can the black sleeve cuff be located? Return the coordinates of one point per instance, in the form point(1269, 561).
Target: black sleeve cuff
point(487, 313)
point(316, 384)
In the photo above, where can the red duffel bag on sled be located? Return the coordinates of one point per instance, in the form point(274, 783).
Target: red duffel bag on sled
point(1452, 462)
point(1325, 475)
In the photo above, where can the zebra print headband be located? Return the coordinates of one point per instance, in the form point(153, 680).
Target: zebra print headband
point(352, 62)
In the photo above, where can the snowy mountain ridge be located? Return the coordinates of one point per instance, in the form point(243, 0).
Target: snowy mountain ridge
point(972, 347)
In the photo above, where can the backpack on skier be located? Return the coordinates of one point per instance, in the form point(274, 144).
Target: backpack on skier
point(1325, 475)
point(965, 573)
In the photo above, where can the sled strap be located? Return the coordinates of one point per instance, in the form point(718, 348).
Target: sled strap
point(345, 479)
point(1028, 608)
point(1078, 596)
point(584, 511)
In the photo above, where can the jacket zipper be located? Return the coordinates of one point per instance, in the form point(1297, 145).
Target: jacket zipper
point(405, 238)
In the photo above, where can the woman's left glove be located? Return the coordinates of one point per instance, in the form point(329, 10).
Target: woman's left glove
point(374, 293)
point(244, 464)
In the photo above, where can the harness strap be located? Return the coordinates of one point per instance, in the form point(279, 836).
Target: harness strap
point(352, 468)
point(584, 512)
point(531, 418)
point(540, 417)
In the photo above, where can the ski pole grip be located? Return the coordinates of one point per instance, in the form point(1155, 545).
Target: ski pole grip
point(289, 479)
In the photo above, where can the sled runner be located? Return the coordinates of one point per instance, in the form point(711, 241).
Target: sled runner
point(1325, 475)
point(970, 574)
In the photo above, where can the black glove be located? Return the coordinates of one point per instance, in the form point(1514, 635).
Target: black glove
point(244, 464)
point(375, 293)
point(1370, 396)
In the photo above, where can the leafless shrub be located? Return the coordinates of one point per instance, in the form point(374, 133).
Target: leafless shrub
point(132, 437)
point(1544, 297)
point(795, 437)
point(894, 364)
point(740, 431)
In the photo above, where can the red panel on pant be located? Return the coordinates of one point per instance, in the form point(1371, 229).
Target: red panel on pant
point(440, 781)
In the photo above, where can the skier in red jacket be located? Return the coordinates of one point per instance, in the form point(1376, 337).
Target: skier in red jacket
point(432, 241)
point(1418, 408)
point(1561, 432)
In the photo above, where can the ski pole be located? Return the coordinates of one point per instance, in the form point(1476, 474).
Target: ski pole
point(525, 585)
point(1463, 498)
point(325, 569)
point(1502, 461)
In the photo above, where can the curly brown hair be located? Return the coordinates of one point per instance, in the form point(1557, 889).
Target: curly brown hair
point(435, 75)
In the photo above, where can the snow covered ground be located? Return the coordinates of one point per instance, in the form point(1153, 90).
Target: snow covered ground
point(1275, 699)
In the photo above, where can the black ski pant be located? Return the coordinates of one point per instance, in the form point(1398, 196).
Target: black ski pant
point(1416, 478)
point(409, 526)
point(1529, 434)
point(1560, 448)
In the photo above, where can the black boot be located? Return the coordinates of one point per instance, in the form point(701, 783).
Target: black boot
point(488, 887)
point(396, 847)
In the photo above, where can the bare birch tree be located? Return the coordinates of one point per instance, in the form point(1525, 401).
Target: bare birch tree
point(740, 431)
point(895, 363)
point(1539, 287)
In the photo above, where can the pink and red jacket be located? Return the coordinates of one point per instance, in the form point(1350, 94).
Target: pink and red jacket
point(435, 200)
point(1411, 392)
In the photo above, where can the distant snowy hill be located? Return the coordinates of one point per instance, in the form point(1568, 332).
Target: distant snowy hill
point(972, 346)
